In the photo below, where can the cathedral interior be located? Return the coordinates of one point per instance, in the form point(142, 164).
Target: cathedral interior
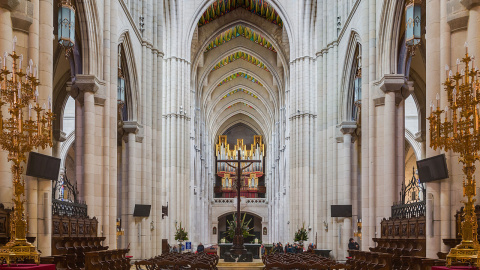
point(333, 119)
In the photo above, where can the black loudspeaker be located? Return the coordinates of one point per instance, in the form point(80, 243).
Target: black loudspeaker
point(433, 168)
point(341, 210)
point(142, 210)
point(43, 166)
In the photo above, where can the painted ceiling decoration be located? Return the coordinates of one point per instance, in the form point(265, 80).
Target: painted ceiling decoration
point(258, 7)
point(240, 75)
point(240, 103)
point(240, 90)
point(240, 31)
point(240, 55)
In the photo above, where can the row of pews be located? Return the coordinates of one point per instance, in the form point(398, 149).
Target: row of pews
point(361, 260)
point(191, 261)
point(300, 261)
point(114, 259)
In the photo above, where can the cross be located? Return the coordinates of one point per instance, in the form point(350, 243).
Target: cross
point(238, 247)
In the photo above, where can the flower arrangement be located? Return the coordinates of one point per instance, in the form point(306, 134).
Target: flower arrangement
point(180, 233)
point(301, 235)
point(232, 225)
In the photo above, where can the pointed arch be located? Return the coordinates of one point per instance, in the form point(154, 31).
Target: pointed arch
point(130, 72)
point(92, 43)
point(347, 92)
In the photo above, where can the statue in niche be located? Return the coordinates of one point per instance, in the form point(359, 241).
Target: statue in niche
point(264, 230)
point(214, 230)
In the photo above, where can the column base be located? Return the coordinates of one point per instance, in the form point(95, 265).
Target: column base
point(19, 250)
point(467, 252)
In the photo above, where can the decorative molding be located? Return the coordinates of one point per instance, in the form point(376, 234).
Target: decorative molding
point(9, 4)
point(458, 14)
point(391, 82)
point(469, 4)
point(131, 127)
point(348, 127)
point(22, 16)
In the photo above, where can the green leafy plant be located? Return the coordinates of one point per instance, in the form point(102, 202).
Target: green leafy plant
point(232, 225)
point(301, 234)
point(180, 233)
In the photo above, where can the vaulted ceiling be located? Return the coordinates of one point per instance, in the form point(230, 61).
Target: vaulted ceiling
point(240, 65)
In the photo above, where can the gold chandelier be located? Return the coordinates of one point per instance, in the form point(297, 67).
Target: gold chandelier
point(28, 126)
point(460, 133)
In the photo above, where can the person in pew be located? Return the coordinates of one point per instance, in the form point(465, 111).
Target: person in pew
point(200, 248)
point(352, 245)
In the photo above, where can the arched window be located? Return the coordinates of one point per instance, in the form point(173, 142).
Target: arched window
point(356, 84)
point(122, 85)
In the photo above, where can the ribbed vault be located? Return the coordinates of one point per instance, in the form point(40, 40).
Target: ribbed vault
point(239, 66)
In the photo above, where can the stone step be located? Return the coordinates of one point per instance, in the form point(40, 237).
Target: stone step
point(240, 266)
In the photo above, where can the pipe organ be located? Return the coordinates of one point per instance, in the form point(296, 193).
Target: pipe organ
point(252, 174)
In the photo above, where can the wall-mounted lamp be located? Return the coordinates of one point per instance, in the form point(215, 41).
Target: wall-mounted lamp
point(358, 232)
point(152, 226)
point(309, 228)
point(120, 230)
point(325, 225)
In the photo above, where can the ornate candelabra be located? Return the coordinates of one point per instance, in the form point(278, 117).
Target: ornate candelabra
point(460, 133)
point(23, 131)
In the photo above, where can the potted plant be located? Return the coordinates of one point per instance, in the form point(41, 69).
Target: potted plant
point(232, 225)
point(180, 235)
point(301, 235)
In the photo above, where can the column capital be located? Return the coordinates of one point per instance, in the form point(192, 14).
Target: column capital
point(59, 135)
point(131, 127)
point(87, 83)
point(420, 136)
point(391, 82)
point(469, 4)
point(348, 127)
point(9, 4)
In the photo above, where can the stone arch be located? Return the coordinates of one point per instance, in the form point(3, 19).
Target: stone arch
point(346, 92)
point(388, 36)
point(417, 148)
point(215, 128)
point(227, 125)
point(202, 7)
point(65, 147)
point(131, 73)
point(226, 213)
point(92, 42)
point(219, 97)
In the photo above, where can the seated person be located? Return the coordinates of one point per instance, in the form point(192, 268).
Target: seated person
point(200, 248)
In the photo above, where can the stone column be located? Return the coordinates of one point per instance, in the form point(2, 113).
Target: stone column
point(347, 128)
point(391, 85)
point(433, 71)
point(131, 128)
point(84, 90)
point(6, 38)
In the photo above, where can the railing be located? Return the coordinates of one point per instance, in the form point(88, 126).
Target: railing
point(249, 201)
point(64, 208)
point(256, 201)
point(410, 210)
point(223, 200)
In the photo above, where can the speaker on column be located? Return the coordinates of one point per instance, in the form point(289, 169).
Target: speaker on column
point(141, 210)
point(43, 166)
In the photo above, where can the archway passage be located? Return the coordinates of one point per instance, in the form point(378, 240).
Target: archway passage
point(240, 54)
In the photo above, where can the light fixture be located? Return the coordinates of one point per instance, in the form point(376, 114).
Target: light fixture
point(66, 26)
point(459, 131)
point(413, 19)
point(20, 133)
